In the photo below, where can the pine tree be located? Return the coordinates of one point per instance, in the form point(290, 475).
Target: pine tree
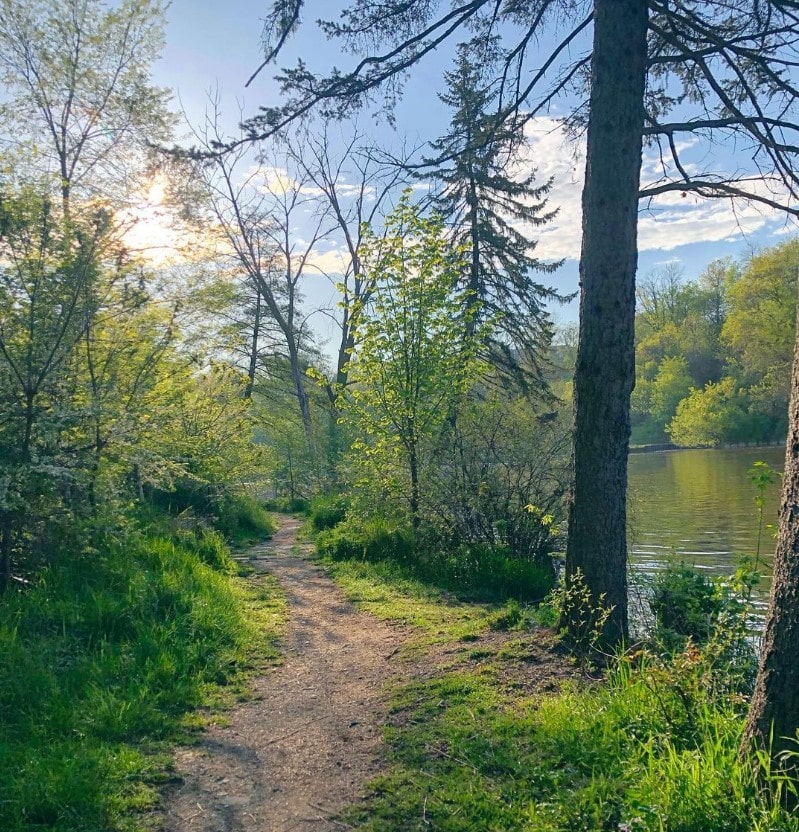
point(491, 212)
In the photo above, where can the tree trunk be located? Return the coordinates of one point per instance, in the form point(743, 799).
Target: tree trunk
point(774, 714)
point(6, 529)
point(474, 266)
point(302, 397)
point(605, 370)
point(413, 463)
point(256, 329)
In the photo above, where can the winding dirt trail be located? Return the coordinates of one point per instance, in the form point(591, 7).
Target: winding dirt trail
point(308, 741)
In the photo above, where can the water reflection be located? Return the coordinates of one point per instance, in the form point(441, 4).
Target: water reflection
point(699, 506)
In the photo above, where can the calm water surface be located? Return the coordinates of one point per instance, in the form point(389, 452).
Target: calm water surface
point(699, 506)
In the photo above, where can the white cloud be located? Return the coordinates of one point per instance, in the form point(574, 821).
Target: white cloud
point(330, 262)
point(666, 222)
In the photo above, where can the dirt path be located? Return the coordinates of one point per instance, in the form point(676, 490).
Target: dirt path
point(311, 738)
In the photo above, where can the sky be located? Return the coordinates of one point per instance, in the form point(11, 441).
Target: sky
point(213, 45)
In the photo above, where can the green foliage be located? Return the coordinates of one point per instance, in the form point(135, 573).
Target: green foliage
point(242, 519)
point(370, 540)
point(410, 339)
point(685, 603)
point(713, 355)
point(80, 108)
point(486, 572)
point(208, 544)
point(477, 571)
point(486, 204)
point(580, 617)
point(502, 472)
point(102, 659)
point(326, 512)
point(715, 414)
point(288, 505)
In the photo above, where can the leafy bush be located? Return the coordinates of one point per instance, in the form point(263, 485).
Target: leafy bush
point(288, 505)
point(711, 613)
point(371, 540)
point(242, 519)
point(476, 570)
point(327, 512)
point(484, 571)
point(685, 604)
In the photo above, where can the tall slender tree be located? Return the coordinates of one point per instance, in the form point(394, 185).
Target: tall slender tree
point(490, 213)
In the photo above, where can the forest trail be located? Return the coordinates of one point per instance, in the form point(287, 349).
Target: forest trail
point(311, 737)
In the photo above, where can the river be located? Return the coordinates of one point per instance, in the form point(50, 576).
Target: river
point(699, 506)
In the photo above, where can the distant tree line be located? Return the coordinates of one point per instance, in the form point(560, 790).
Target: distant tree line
point(713, 355)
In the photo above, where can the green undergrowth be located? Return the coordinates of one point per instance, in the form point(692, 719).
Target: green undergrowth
point(651, 748)
point(466, 754)
point(109, 659)
point(476, 571)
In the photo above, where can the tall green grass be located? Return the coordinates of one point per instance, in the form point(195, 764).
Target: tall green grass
point(642, 753)
point(102, 662)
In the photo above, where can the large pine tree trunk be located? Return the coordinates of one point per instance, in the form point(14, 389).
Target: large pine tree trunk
point(605, 371)
point(774, 713)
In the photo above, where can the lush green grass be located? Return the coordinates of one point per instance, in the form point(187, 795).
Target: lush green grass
point(653, 747)
point(387, 590)
point(105, 661)
point(468, 754)
point(474, 571)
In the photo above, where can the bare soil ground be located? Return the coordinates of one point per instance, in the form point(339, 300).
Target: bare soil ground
point(308, 741)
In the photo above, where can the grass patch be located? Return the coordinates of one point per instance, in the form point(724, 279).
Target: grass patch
point(652, 748)
point(390, 592)
point(466, 754)
point(104, 663)
point(476, 571)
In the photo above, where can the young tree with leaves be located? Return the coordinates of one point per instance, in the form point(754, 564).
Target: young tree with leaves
point(411, 364)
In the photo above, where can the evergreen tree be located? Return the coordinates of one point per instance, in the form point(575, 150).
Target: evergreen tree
point(486, 207)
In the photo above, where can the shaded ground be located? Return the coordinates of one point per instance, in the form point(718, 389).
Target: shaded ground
point(311, 736)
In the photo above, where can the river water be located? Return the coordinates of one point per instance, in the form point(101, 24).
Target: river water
point(699, 506)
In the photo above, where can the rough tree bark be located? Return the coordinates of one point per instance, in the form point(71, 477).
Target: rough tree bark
point(605, 371)
point(774, 713)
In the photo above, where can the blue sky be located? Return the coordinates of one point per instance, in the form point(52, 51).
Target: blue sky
point(209, 44)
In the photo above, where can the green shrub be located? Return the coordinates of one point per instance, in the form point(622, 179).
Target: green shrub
point(242, 519)
point(327, 512)
point(475, 571)
point(489, 572)
point(288, 505)
point(685, 604)
point(371, 540)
